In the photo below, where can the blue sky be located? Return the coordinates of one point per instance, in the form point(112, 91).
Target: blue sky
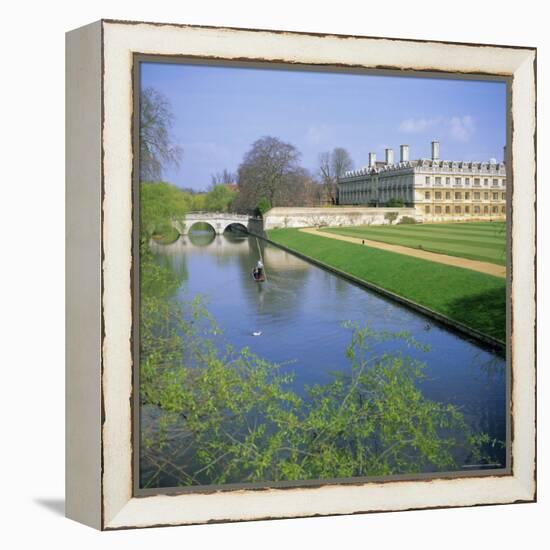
point(220, 111)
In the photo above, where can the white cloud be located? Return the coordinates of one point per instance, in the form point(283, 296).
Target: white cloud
point(462, 128)
point(458, 128)
point(418, 125)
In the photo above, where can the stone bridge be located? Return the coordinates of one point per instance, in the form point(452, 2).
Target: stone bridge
point(219, 221)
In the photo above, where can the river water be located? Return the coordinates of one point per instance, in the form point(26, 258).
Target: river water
point(299, 312)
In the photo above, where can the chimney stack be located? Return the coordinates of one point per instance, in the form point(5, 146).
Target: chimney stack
point(404, 150)
point(435, 150)
point(372, 160)
point(389, 156)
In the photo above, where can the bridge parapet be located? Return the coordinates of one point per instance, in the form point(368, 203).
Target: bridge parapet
point(219, 221)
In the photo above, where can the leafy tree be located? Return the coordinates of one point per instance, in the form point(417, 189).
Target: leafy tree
point(198, 202)
point(156, 145)
point(219, 198)
point(160, 204)
point(263, 206)
point(332, 166)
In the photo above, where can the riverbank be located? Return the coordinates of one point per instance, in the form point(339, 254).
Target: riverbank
point(472, 300)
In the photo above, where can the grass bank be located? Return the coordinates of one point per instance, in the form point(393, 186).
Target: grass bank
point(483, 241)
point(471, 298)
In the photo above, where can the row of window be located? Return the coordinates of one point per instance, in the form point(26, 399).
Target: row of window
point(458, 181)
point(458, 195)
point(458, 209)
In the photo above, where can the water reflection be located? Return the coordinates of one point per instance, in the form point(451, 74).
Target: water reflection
point(199, 238)
point(299, 312)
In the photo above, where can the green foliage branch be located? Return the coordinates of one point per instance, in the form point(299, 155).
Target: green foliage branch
point(234, 417)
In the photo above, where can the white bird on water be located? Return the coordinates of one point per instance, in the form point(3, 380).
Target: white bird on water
point(257, 333)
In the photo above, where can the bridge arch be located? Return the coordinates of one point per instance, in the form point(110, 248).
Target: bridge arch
point(192, 223)
point(236, 225)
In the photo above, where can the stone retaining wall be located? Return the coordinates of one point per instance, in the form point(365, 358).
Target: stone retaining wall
point(281, 217)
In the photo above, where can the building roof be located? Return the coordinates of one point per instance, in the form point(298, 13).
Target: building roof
point(429, 164)
point(432, 164)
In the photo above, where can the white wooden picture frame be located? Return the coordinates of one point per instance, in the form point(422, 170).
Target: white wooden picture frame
point(99, 389)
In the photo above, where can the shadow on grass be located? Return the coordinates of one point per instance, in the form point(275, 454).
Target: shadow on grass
point(485, 311)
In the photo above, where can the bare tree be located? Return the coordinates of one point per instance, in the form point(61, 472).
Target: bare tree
point(156, 147)
point(270, 170)
point(332, 166)
point(341, 162)
point(305, 191)
point(325, 170)
point(223, 178)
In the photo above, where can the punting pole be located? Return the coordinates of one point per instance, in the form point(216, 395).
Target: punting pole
point(260, 254)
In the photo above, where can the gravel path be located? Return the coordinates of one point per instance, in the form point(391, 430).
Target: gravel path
point(482, 267)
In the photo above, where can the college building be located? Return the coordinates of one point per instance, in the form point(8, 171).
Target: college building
point(437, 189)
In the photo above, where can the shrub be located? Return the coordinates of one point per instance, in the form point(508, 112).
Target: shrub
point(393, 203)
point(263, 206)
point(406, 220)
point(391, 216)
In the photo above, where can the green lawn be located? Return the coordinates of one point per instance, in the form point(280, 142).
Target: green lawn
point(484, 241)
point(472, 298)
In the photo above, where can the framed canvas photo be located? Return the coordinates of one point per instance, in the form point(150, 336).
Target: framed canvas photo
point(300, 274)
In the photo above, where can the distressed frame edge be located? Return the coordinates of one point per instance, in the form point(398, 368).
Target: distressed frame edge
point(83, 308)
point(311, 33)
point(523, 490)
